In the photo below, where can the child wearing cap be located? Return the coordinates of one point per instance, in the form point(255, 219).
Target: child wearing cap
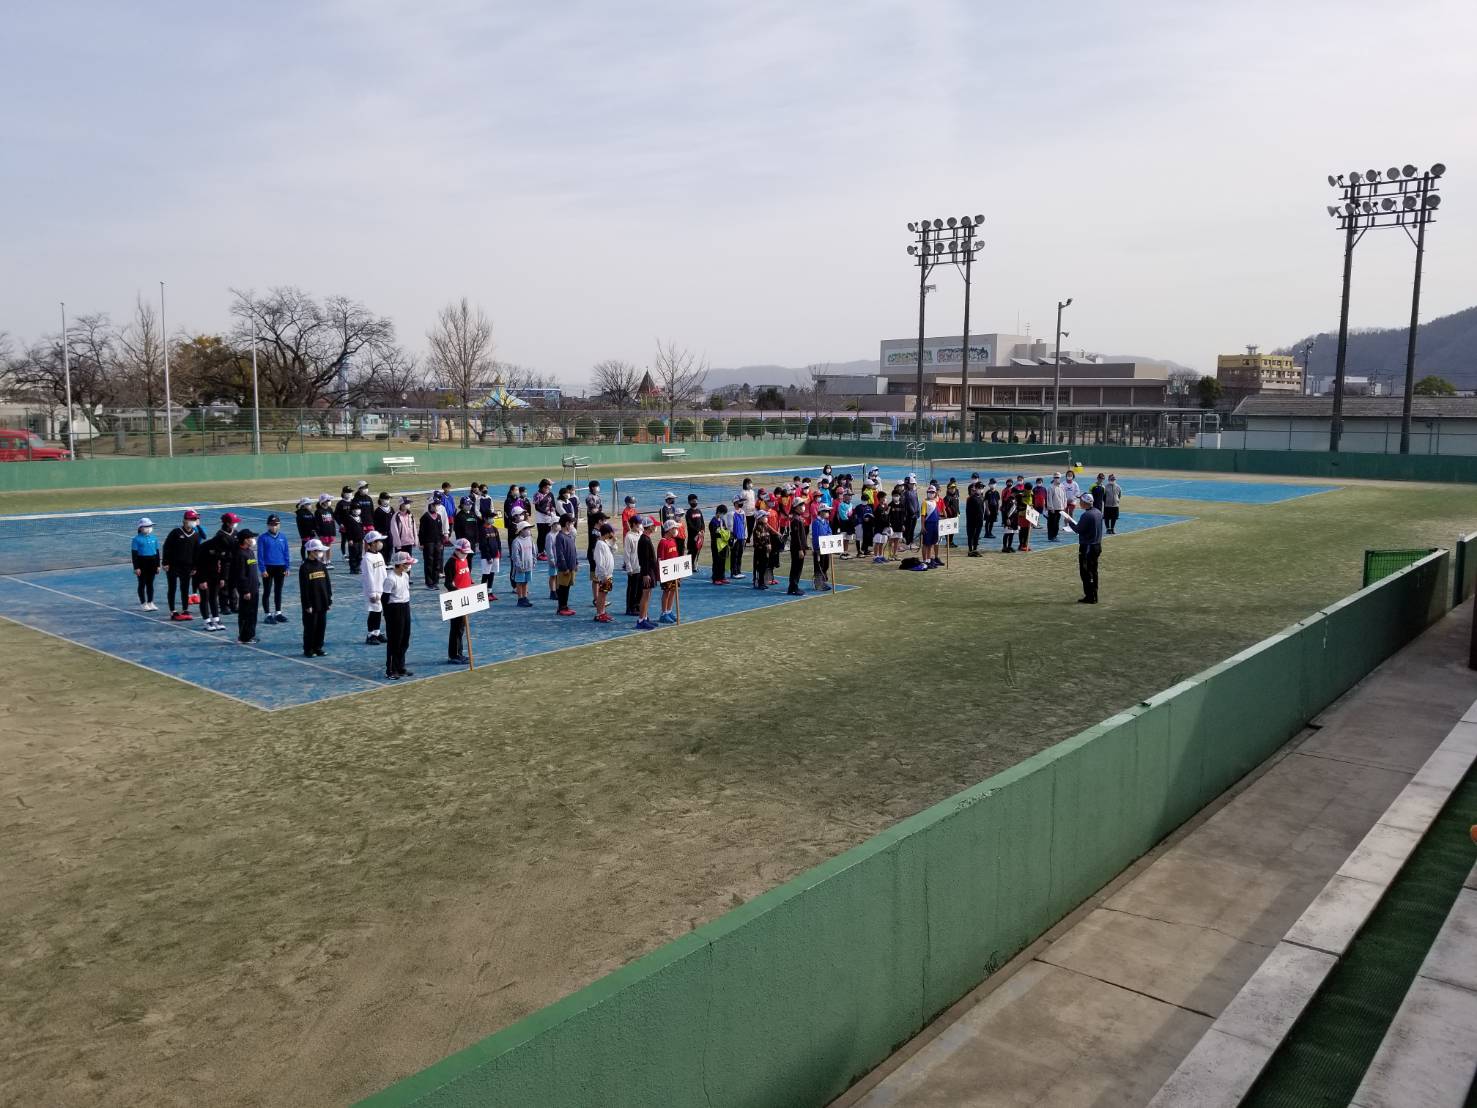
point(246, 585)
point(275, 557)
point(523, 561)
point(325, 529)
point(212, 572)
point(306, 519)
point(372, 577)
point(458, 575)
point(666, 550)
point(740, 527)
point(433, 536)
point(144, 552)
point(1112, 501)
point(692, 529)
point(490, 555)
point(546, 555)
point(763, 538)
point(352, 531)
point(646, 561)
point(403, 534)
point(632, 561)
point(181, 550)
point(594, 506)
point(395, 600)
point(992, 507)
point(315, 594)
point(881, 526)
point(897, 515)
point(602, 570)
point(820, 527)
point(628, 518)
point(565, 561)
point(722, 538)
point(543, 517)
point(799, 545)
point(1007, 519)
point(382, 519)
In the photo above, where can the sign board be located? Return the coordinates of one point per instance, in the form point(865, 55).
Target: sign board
point(948, 527)
point(830, 544)
point(463, 602)
point(674, 569)
point(1033, 517)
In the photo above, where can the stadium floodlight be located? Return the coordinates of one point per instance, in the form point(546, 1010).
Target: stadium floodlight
point(943, 239)
point(1331, 182)
point(1405, 198)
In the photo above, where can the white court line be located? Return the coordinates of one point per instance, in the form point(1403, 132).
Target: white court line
point(204, 635)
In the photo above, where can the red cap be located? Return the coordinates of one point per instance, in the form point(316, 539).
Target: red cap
point(190, 513)
point(230, 517)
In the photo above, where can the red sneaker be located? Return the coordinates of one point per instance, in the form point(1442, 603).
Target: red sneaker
point(566, 612)
point(490, 596)
point(604, 617)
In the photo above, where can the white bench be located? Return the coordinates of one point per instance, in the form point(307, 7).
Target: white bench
point(672, 453)
point(401, 464)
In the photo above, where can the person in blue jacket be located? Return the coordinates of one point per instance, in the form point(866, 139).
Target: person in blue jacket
point(145, 555)
point(274, 556)
point(820, 526)
point(740, 525)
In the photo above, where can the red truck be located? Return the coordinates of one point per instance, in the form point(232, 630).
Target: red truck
point(26, 446)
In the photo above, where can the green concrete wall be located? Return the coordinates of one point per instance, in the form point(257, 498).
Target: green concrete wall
point(1464, 569)
point(790, 998)
point(111, 472)
point(1286, 463)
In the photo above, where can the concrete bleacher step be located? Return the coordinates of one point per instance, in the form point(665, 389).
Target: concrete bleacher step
point(1223, 1066)
point(1429, 1055)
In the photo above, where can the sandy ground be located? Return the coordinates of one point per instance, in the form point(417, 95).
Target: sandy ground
point(205, 904)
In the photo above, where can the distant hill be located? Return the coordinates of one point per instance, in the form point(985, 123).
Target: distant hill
point(1446, 347)
point(1171, 366)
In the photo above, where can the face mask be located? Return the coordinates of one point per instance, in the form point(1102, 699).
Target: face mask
point(145, 530)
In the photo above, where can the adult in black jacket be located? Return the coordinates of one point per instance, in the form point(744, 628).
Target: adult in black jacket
point(363, 501)
point(181, 547)
point(315, 593)
point(382, 515)
point(650, 571)
point(910, 511)
point(353, 537)
point(992, 507)
point(466, 525)
point(212, 573)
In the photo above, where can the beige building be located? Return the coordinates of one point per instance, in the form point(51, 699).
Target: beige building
point(1254, 373)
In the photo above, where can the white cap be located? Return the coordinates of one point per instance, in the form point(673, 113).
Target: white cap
point(373, 536)
point(403, 558)
point(323, 497)
point(670, 525)
point(315, 547)
point(464, 546)
point(524, 526)
point(362, 485)
point(146, 522)
point(302, 500)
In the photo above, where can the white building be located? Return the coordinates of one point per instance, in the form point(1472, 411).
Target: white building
point(1439, 424)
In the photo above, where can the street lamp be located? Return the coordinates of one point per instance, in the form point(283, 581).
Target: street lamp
point(943, 240)
point(256, 399)
point(1056, 394)
point(1402, 197)
point(1308, 364)
point(168, 402)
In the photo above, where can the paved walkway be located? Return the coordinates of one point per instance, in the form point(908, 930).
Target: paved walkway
point(1105, 1006)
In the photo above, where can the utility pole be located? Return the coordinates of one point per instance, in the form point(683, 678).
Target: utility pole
point(1415, 318)
point(67, 378)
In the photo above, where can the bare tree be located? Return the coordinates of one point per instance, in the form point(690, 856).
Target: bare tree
point(812, 389)
point(1182, 383)
point(618, 384)
point(393, 378)
point(309, 352)
point(680, 375)
point(141, 362)
point(460, 357)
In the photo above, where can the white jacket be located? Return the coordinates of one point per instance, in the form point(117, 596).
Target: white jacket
point(1071, 490)
point(604, 561)
point(1056, 497)
point(372, 577)
point(633, 559)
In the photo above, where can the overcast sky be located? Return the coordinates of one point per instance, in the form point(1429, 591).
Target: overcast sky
point(733, 176)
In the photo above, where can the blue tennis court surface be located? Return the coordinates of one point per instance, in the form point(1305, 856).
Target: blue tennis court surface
point(97, 608)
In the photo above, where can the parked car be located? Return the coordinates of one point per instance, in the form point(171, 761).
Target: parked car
point(27, 446)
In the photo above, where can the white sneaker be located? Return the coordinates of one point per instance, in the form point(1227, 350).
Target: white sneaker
point(153, 607)
point(143, 607)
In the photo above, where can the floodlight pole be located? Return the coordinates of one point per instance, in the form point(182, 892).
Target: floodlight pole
point(1056, 392)
point(1307, 364)
point(1336, 420)
point(964, 360)
point(1415, 315)
point(67, 378)
point(923, 271)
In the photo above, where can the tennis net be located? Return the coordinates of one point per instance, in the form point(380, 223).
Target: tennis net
point(715, 488)
point(1041, 463)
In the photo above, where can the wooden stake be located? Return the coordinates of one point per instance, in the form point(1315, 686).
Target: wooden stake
point(467, 632)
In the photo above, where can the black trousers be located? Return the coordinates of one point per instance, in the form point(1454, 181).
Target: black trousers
point(1110, 520)
point(973, 521)
point(247, 608)
point(910, 524)
point(1087, 560)
point(175, 577)
point(432, 557)
point(736, 557)
point(146, 585)
point(210, 597)
point(720, 564)
point(561, 593)
point(454, 636)
point(590, 549)
point(355, 550)
point(633, 593)
point(691, 550)
point(1053, 525)
point(272, 588)
point(315, 626)
point(797, 564)
point(990, 518)
point(542, 530)
point(397, 636)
